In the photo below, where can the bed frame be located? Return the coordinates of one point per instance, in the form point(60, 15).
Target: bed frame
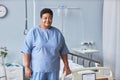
point(76, 57)
point(102, 73)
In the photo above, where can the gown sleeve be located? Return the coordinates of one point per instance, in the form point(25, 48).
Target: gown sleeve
point(64, 49)
point(27, 45)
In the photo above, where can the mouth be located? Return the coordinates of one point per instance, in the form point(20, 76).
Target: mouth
point(48, 23)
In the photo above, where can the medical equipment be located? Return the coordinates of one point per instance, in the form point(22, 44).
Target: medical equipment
point(26, 19)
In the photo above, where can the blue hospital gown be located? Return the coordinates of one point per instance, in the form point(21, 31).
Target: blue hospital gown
point(45, 47)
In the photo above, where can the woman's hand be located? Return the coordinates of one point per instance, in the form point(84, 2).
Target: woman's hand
point(28, 72)
point(67, 70)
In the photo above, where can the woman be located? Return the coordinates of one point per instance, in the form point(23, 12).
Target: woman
point(43, 47)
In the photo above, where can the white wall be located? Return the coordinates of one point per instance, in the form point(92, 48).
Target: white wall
point(12, 27)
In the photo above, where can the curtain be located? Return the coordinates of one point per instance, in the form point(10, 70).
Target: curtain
point(111, 36)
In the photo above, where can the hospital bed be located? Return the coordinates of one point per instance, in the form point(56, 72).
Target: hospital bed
point(79, 71)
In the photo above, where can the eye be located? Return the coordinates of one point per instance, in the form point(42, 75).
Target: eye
point(44, 17)
point(50, 18)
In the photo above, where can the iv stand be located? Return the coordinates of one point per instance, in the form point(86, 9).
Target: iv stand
point(61, 7)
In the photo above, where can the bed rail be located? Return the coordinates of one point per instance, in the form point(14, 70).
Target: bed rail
point(77, 57)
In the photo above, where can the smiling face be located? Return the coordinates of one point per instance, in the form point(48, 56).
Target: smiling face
point(46, 20)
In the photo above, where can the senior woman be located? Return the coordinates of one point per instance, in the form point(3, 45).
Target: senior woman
point(43, 47)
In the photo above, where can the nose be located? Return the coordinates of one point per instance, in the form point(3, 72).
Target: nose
point(48, 20)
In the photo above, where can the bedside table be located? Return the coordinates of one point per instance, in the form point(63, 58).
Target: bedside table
point(14, 73)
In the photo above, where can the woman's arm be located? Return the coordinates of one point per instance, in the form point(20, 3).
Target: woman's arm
point(66, 64)
point(28, 71)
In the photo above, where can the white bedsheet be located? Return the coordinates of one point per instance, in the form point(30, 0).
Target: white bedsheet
point(71, 65)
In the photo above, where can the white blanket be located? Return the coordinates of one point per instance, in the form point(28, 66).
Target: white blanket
point(72, 66)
